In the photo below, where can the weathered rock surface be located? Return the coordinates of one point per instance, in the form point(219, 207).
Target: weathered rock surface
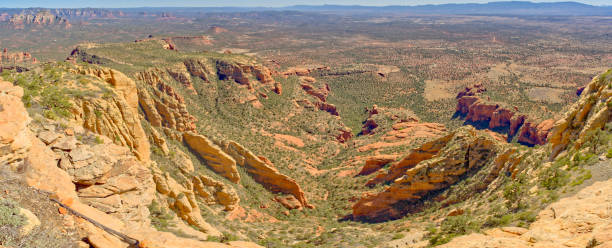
point(117, 188)
point(218, 160)
point(165, 107)
point(404, 133)
point(374, 163)
point(590, 113)
point(14, 119)
point(263, 172)
point(184, 202)
point(571, 222)
point(41, 18)
point(433, 166)
point(499, 118)
point(116, 116)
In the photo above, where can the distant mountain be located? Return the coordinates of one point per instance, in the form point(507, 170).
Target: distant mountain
point(492, 8)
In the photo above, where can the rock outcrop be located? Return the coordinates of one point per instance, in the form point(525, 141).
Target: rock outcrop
point(16, 57)
point(432, 167)
point(263, 172)
point(116, 115)
point(14, 119)
point(404, 133)
point(375, 163)
point(42, 18)
point(107, 176)
point(165, 107)
point(499, 118)
point(218, 160)
point(582, 220)
point(590, 113)
point(118, 194)
point(183, 201)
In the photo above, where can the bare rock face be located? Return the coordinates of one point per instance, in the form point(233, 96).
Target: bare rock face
point(404, 133)
point(497, 117)
point(374, 163)
point(183, 201)
point(320, 93)
point(117, 116)
point(575, 221)
point(263, 172)
point(117, 198)
point(124, 188)
point(591, 112)
point(199, 69)
point(180, 74)
point(379, 115)
point(113, 118)
point(14, 119)
point(327, 107)
point(535, 134)
point(216, 158)
point(41, 18)
point(228, 70)
point(434, 166)
point(344, 134)
point(215, 192)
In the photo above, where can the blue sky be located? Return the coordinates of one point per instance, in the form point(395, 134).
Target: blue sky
point(239, 3)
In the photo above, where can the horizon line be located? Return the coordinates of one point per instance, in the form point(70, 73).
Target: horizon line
point(307, 5)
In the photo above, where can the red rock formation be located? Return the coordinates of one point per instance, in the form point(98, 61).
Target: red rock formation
point(368, 127)
point(263, 171)
point(42, 18)
point(344, 134)
point(328, 107)
point(316, 92)
point(434, 166)
point(535, 134)
point(16, 57)
point(217, 30)
point(304, 71)
point(479, 110)
point(374, 163)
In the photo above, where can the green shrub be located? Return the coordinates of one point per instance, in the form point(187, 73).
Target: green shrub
point(9, 214)
point(580, 179)
point(454, 226)
point(160, 218)
point(553, 177)
point(513, 193)
point(398, 236)
point(55, 100)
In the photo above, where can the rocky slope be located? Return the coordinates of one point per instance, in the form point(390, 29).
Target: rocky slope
point(175, 148)
point(429, 168)
point(582, 220)
point(427, 171)
point(91, 175)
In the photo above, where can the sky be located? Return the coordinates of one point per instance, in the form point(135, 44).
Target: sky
point(237, 3)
